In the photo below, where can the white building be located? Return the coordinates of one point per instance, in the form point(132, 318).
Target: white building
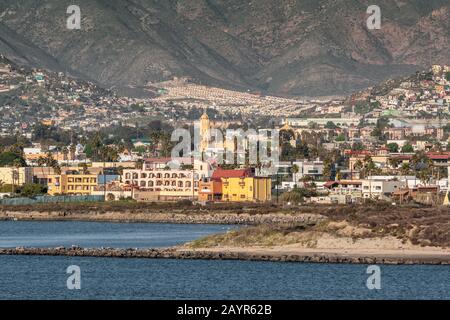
point(380, 188)
point(312, 169)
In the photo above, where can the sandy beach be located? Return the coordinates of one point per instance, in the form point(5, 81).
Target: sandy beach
point(385, 248)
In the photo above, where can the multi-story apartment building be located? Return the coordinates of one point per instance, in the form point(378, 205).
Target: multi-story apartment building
point(246, 189)
point(72, 183)
point(159, 180)
point(235, 186)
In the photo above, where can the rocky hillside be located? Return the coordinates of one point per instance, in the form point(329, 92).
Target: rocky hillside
point(295, 47)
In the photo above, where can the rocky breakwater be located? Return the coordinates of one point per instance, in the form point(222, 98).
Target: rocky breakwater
point(183, 254)
point(194, 217)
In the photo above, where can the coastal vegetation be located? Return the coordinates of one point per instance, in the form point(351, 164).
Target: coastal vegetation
point(409, 225)
point(266, 225)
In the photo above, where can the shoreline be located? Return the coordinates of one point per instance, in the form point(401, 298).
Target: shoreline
point(263, 255)
point(309, 235)
point(225, 218)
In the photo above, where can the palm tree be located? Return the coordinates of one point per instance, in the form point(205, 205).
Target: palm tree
point(15, 174)
point(65, 152)
point(358, 166)
point(405, 169)
point(327, 167)
point(394, 162)
point(55, 166)
point(422, 166)
point(85, 169)
point(140, 164)
point(72, 150)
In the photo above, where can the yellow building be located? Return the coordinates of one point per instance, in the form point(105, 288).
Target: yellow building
point(246, 189)
point(204, 132)
point(72, 184)
point(206, 140)
point(16, 176)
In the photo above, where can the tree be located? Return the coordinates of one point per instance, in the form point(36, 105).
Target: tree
point(393, 147)
point(330, 125)
point(369, 167)
point(358, 165)
point(84, 168)
point(327, 168)
point(382, 124)
point(32, 190)
point(394, 162)
point(407, 148)
point(422, 166)
point(65, 152)
point(297, 195)
point(8, 159)
point(72, 150)
point(140, 164)
point(447, 76)
point(405, 169)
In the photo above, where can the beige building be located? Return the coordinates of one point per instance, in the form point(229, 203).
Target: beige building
point(162, 180)
point(16, 176)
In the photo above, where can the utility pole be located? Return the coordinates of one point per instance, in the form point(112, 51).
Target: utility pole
point(193, 178)
point(12, 176)
point(104, 179)
point(277, 186)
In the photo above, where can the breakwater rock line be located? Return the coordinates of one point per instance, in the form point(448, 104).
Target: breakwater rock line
point(157, 217)
point(185, 254)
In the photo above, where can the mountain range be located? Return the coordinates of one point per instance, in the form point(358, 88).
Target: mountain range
point(282, 47)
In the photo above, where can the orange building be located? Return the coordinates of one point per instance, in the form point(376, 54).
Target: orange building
point(210, 190)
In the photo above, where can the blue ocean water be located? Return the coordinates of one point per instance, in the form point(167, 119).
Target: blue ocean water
point(32, 277)
point(39, 277)
point(46, 234)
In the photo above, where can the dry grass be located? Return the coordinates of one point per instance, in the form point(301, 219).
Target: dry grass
point(262, 235)
point(419, 226)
